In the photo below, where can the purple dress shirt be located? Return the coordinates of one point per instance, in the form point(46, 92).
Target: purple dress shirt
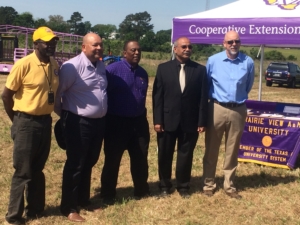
point(82, 88)
point(126, 90)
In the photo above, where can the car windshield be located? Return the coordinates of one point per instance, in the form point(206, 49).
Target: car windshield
point(277, 66)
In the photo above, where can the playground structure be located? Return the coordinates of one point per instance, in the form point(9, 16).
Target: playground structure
point(69, 45)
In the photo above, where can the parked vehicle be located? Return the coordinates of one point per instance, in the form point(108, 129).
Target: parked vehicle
point(10, 51)
point(282, 73)
point(109, 59)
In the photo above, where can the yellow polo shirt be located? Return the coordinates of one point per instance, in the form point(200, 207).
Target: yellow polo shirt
point(30, 79)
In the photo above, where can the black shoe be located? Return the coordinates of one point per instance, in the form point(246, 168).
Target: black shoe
point(184, 193)
point(108, 200)
point(139, 197)
point(164, 194)
point(32, 216)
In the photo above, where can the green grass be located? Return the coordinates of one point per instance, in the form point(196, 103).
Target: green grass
point(270, 195)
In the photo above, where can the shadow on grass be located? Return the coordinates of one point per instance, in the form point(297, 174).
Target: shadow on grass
point(255, 181)
point(262, 180)
point(125, 194)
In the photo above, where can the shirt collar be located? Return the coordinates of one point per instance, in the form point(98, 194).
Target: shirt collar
point(225, 57)
point(179, 63)
point(86, 60)
point(39, 63)
point(129, 66)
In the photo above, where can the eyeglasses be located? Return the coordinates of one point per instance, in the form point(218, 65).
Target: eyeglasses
point(186, 46)
point(48, 43)
point(133, 50)
point(233, 41)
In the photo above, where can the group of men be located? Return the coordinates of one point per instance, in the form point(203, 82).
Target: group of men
point(97, 103)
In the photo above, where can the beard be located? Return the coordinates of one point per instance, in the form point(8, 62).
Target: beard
point(233, 52)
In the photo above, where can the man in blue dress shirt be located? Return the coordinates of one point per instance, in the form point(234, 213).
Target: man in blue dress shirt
point(230, 79)
point(126, 123)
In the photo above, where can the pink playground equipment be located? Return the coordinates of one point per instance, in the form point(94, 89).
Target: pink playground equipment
point(69, 45)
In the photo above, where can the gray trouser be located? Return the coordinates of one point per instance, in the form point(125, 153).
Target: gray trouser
point(32, 138)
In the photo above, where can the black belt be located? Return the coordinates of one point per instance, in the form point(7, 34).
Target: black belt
point(28, 116)
point(228, 104)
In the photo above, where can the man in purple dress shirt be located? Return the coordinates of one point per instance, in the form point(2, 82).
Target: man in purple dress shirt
point(126, 123)
point(82, 104)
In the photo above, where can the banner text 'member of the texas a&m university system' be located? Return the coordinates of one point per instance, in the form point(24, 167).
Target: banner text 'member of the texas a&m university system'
point(270, 141)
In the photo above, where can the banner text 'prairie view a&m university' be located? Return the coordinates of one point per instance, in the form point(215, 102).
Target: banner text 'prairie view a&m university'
point(270, 139)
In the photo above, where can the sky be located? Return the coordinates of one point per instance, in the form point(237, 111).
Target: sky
point(114, 11)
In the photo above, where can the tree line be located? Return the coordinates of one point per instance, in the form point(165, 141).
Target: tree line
point(134, 27)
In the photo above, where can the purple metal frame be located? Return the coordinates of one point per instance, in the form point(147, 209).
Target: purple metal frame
point(60, 56)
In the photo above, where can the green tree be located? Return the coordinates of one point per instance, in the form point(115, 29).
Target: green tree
point(40, 22)
point(24, 20)
point(83, 28)
point(207, 50)
point(57, 23)
point(114, 47)
point(129, 36)
point(75, 19)
point(274, 55)
point(292, 58)
point(163, 36)
point(147, 42)
point(166, 47)
point(254, 53)
point(135, 25)
point(7, 15)
point(104, 30)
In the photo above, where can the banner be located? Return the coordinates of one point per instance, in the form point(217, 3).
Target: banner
point(254, 31)
point(271, 140)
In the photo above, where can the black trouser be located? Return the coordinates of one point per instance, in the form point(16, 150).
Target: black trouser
point(125, 133)
point(186, 143)
point(32, 137)
point(83, 139)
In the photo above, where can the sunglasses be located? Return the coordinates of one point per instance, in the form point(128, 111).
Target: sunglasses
point(186, 46)
point(233, 41)
point(48, 43)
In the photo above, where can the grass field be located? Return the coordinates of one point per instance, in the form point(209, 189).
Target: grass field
point(270, 195)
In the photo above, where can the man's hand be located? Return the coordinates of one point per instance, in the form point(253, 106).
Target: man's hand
point(201, 129)
point(8, 102)
point(158, 128)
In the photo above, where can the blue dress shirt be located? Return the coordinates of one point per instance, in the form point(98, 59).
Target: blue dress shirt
point(230, 80)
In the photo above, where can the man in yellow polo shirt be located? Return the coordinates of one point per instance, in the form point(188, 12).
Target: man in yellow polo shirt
point(28, 99)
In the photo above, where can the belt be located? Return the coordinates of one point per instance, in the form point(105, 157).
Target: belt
point(228, 104)
point(28, 116)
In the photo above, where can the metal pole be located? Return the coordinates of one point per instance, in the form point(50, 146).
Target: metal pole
point(261, 71)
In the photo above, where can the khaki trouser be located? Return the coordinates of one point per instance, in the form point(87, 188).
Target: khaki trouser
point(222, 120)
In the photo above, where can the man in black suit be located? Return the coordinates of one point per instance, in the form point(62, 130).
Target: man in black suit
point(180, 99)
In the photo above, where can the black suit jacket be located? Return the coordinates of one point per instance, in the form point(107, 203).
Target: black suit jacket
point(172, 108)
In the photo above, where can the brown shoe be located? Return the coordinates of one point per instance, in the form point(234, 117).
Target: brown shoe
point(75, 217)
point(208, 193)
point(233, 195)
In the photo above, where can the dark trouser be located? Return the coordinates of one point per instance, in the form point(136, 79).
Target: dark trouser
point(121, 134)
point(83, 139)
point(185, 149)
point(32, 137)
